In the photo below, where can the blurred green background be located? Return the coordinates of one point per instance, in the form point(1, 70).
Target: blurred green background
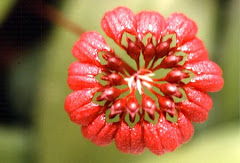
point(35, 71)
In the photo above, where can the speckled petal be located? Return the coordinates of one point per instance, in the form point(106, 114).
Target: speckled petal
point(85, 114)
point(99, 131)
point(82, 82)
point(152, 139)
point(106, 135)
point(130, 140)
point(206, 82)
point(149, 22)
point(78, 99)
point(87, 48)
point(118, 21)
point(169, 134)
point(184, 28)
point(91, 131)
point(185, 126)
point(81, 76)
point(200, 98)
point(195, 49)
point(192, 111)
point(83, 69)
point(204, 67)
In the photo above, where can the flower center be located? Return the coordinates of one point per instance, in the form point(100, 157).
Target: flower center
point(119, 93)
point(140, 79)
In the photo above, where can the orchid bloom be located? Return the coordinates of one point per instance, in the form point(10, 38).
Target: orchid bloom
point(169, 44)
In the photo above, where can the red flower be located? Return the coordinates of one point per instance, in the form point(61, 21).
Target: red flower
point(180, 93)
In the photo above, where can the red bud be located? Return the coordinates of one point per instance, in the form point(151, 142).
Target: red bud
point(175, 76)
point(149, 52)
point(171, 61)
point(114, 79)
point(162, 48)
point(109, 94)
point(133, 108)
point(170, 90)
point(148, 105)
point(133, 49)
point(166, 104)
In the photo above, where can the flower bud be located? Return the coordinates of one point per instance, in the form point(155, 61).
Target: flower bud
point(118, 107)
point(133, 49)
point(109, 94)
point(163, 48)
point(133, 108)
point(113, 63)
point(149, 106)
point(171, 61)
point(166, 104)
point(149, 51)
point(175, 76)
point(169, 89)
point(114, 79)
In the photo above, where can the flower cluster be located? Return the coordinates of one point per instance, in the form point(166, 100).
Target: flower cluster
point(181, 93)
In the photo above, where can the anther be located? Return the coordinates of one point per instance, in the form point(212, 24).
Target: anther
point(175, 76)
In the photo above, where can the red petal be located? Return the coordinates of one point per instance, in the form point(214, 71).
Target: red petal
point(169, 134)
point(87, 48)
point(85, 114)
point(204, 67)
point(151, 138)
point(100, 132)
point(207, 83)
point(195, 49)
point(91, 131)
point(184, 28)
point(149, 22)
point(118, 21)
point(192, 111)
point(123, 138)
point(200, 98)
point(78, 98)
point(106, 135)
point(81, 75)
point(137, 142)
point(81, 82)
point(82, 69)
point(185, 126)
point(130, 140)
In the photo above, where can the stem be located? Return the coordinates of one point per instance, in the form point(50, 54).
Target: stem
point(153, 62)
point(156, 68)
point(53, 15)
point(128, 68)
point(138, 64)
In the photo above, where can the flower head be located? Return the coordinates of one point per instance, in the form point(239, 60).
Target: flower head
point(136, 97)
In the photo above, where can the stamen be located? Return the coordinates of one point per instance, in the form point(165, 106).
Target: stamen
point(145, 77)
point(139, 86)
point(146, 84)
point(136, 81)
